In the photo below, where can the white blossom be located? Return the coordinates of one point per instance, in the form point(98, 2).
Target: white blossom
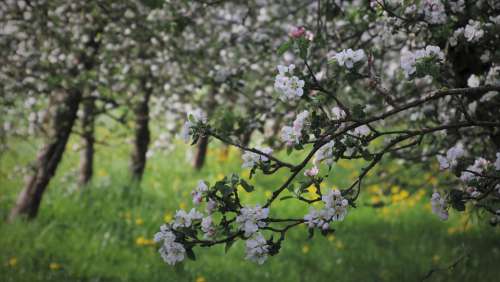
point(317, 218)
point(334, 201)
point(198, 115)
point(287, 135)
point(456, 34)
point(195, 116)
point(473, 31)
point(434, 11)
point(452, 156)
point(473, 192)
point(250, 159)
point(312, 171)
point(197, 193)
point(257, 249)
point(362, 131)
point(349, 57)
point(289, 86)
point(207, 227)
point(473, 81)
point(325, 153)
point(478, 167)
point(184, 219)
point(409, 59)
point(165, 234)
point(291, 135)
point(171, 251)
point(438, 205)
point(185, 133)
point(457, 6)
point(211, 206)
point(335, 209)
point(338, 113)
point(250, 219)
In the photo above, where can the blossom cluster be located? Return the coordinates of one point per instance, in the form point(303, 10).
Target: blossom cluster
point(257, 249)
point(291, 135)
point(456, 158)
point(325, 153)
point(348, 58)
point(452, 156)
point(250, 159)
point(335, 209)
point(193, 118)
point(288, 85)
point(439, 206)
point(472, 32)
point(409, 60)
point(251, 219)
point(434, 11)
point(171, 251)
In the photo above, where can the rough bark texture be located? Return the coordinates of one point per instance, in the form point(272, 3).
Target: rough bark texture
point(201, 153)
point(87, 154)
point(49, 156)
point(142, 137)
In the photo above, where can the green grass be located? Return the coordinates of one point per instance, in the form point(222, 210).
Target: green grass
point(92, 234)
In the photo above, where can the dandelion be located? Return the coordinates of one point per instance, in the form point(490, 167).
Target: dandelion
point(54, 266)
point(12, 262)
point(305, 249)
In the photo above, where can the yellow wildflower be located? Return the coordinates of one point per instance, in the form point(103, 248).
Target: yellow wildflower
point(141, 241)
point(436, 258)
point(339, 245)
point(375, 199)
point(305, 249)
point(168, 217)
point(54, 266)
point(200, 279)
point(12, 262)
point(395, 189)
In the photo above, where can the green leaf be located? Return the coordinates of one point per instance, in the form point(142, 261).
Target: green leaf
point(303, 47)
point(190, 254)
point(234, 179)
point(249, 188)
point(456, 198)
point(285, 198)
point(228, 246)
point(284, 47)
point(357, 112)
point(311, 233)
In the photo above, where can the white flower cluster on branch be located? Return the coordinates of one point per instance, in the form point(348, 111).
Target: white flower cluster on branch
point(288, 85)
point(335, 209)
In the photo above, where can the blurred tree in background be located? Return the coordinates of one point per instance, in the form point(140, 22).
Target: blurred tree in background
point(326, 81)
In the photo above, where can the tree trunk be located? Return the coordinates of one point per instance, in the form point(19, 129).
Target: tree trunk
point(87, 154)
point(142, 136)
point(49, 156)
point(201, 152)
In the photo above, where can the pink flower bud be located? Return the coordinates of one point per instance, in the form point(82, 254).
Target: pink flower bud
point(297, 32)
point(312, 172)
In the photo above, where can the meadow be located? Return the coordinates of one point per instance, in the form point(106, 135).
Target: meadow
point(103, 232)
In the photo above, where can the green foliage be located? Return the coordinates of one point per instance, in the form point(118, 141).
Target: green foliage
point(100, 233)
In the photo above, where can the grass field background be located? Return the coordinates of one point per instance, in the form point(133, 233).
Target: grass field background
point(103, 232)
